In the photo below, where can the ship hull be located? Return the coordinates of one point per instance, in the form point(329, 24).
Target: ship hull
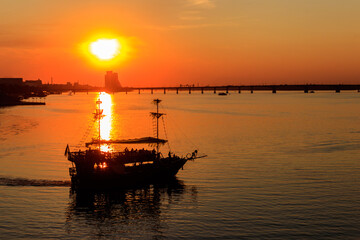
point(128, 176)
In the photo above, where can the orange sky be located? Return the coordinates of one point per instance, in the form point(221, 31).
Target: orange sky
point(176, 42)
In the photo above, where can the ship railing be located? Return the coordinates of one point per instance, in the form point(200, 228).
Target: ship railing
point(76, 155)
point(72, 171)
point(79, 153)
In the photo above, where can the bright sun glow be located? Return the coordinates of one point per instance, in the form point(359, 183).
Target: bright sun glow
point(105, 49)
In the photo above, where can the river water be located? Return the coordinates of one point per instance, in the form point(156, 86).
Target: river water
point(279, 166)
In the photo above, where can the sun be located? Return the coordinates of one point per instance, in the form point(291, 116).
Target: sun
point(105, 49)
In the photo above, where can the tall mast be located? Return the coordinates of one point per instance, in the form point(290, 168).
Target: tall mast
point(98, 114)
point(157, 123)
point(157, 119)
point(157, 115)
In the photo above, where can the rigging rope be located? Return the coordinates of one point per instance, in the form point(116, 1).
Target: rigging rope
point(179, 129)
point(166, 137)
point(86, 134)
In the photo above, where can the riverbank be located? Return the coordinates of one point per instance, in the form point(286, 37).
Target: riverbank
point(20, 103)
point(15, 100)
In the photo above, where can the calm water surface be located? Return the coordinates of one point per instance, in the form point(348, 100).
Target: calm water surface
point(279, 166)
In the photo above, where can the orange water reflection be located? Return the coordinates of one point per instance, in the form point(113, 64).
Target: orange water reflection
point(106, 122)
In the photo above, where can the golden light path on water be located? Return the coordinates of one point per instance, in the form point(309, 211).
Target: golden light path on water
point(106, 121)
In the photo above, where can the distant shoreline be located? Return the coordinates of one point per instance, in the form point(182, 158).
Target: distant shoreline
point(20, 103)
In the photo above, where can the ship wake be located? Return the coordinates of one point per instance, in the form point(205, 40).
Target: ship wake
point(6, 181)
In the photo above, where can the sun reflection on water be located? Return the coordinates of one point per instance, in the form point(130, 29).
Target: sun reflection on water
point(106, 121)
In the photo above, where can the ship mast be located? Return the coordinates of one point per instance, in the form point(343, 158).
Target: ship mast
point(157, 115)
point(98, 115)
point(157, 119)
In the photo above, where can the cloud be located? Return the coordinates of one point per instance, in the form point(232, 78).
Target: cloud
point(195, 11)
point(202, 3)
point(24, 35)
point(191, 16)
point(191, 26)
point(203, 25)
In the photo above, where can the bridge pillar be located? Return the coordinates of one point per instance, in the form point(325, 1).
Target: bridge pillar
point(227, 90)
point(338, 88)
point(139, 91)
point(152, 91)
point(202, 90)
point(214, 90)
point(306, 90)
point(274, 91)
point(164, 90)
point(239, 90)
point(189, 90)
point(177, 91)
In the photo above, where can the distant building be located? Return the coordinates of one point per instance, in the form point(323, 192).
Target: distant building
point(33, 83)
point(11, 81)
point(112, 81)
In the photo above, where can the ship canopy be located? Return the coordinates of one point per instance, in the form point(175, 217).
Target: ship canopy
point(144, 140)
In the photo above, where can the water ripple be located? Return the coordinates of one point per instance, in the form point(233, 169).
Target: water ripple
point(5, 181)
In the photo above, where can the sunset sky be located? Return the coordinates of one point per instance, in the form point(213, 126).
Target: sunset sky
point(172, 42)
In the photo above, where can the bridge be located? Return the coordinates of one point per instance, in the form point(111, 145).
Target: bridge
point(306, 88)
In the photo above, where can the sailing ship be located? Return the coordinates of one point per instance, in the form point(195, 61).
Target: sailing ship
point(94, 168)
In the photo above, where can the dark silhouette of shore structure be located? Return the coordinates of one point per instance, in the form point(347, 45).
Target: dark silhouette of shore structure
point(112, 83)
point(14, 90)
point(306, 88)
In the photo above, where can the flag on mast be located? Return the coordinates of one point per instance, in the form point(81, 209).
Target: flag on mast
point(67, 150)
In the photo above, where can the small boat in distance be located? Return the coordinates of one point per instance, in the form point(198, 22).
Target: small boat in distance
point(94, 168)
point(222, 94)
